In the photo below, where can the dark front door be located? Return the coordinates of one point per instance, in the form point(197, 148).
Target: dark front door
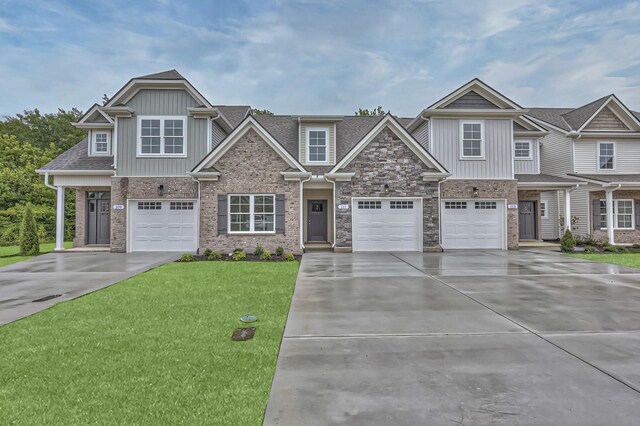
point(527, 219)
point(317, 220)
point(98, 217)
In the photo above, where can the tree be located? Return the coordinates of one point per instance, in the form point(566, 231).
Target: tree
point(257, 111)
point(29, 241)
point(41, 131)
point(367, 112)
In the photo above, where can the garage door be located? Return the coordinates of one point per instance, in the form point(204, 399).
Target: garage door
point(387, 225)
point(163, 226)
point(471, 224)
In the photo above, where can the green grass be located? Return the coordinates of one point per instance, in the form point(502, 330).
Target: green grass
point(625, 259)
point(11, 254)
point(155, 349)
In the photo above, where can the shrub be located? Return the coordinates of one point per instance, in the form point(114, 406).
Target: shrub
point(29, 241)
point(589, 249)
point(208, 252)
point(239, 255)
point(237, 250)
point(279, 251)
point(186, 257)
point(288, 257)
point(259, 250)
point(590, 240)
point(614, 249)
point(636, 245)
point(214, 255)
point(567, 242)
point(266, 255)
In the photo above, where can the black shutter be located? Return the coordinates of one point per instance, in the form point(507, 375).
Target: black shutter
point(596, 215)
point(637, 210)
point(279, 213)
point(222, 214)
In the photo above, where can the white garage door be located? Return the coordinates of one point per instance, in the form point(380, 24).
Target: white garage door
point(387, 225)
point(163, 225)
point(471, 224)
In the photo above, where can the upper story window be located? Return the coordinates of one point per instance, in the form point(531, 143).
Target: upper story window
point(472, 140)
point(606, 155)
point(162, 136)
point(317, 145)
point(100, 143)
point(522, 150)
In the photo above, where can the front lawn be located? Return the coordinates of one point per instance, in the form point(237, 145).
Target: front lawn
point(625, 259)
point(154, 349)
point(11, 254)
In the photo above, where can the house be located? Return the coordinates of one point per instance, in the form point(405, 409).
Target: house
point(164, 169)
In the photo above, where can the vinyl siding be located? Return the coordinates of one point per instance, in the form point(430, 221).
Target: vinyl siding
point(606, 120)
point(303, 141)
point(528, 166)
point(550, 229)
point(445, 146)
point(555, 154)
point(627, 156)
point(580, 209)
point(217, 134)
point(421, 134)
point(158, 103)
point(471, 100)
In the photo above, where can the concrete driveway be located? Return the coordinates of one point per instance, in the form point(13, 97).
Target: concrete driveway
point(528, 337)
point(68, 274)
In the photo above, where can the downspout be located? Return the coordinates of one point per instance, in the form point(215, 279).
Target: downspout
point(333, 203)
point(46, 181)
point(198, 212)
point(59, 212)
point(302, 224)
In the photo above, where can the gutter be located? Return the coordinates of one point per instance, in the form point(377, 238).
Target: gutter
point(46, 182)
point(302, 224)
point(333, 203)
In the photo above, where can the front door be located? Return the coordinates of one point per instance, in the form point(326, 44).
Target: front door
point(98, 217)
point(317, 220)
point(527, 219)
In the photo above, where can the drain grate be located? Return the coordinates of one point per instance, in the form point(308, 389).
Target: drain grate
point(44, 299)
point(243, 333)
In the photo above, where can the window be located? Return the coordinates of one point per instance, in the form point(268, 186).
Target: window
point(622, 214)
point(161, 136)
point(486, 205)
point(401, 205)
point(472, 139)
point(100, 143)
point(252, 213)
point(149, 205)
point(370, 205)
point(543, 209)
point(523, 150)
point(455, 205)
point(317, 145)
point(606, 156)
point(181, 205)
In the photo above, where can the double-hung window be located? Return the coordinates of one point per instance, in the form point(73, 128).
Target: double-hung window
point(522, 150)
point(100, 143)
point(317, 145)
point(162, 136)
point(472, 139)
point(606, 156)
point(622, 214)
point(543, 209)
point(252, 213)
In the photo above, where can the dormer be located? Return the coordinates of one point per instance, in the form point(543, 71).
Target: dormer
point(99, 126)
point(317, 140)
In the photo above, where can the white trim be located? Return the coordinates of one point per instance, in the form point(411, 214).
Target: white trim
point(482, 141)
point(114, 148)
point(474, 85)
point(615, 151)
point(76, 172)
point(162, 118)
point(538, 144)
point(615, 214)
point(327, 141)
point(528, 142)
point(155, 85)
point(251, 214)
point(209, 133)
point(93, 152)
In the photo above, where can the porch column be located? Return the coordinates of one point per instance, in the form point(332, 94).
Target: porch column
point(567, 209)
point(60, 219)
point(609, 202)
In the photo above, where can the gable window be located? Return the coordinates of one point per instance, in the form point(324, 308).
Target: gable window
point(161, 136)
point(606, 156)
point(317, 145)
point(100, 142)
point(252, 213)
point(522, 150)
point(623, 214)
point(472, 140)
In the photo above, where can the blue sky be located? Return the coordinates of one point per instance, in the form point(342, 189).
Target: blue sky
point(309, 57)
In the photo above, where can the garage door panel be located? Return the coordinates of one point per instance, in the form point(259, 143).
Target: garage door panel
point(387, 225)
point(163, 226)
point(473, 224)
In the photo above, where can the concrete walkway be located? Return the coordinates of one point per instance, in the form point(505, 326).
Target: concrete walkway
point(528, 337)
point(69, 274)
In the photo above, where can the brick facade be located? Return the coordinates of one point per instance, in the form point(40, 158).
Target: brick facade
point(488, 190)
point(535, 197)
point(387, 160)
point(251, 166)
point(625, 236)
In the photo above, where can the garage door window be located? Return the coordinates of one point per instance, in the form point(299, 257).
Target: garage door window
point(181, 205)
point(149, 205)
point(370, 205)
point(401, 205)
point(252, 213)
point(455, 205)
point(486, 205)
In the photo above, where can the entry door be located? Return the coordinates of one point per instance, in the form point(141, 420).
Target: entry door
point(527, 220)
point(317, 220)
point(98, 217)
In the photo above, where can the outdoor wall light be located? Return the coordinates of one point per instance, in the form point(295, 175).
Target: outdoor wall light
point(476, 191)
point(386, 187)
point(160, 189)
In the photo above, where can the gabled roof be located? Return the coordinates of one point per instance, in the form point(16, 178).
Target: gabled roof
point(234, 113)
point(579, 116)
point(77, 158)
point(479, 88)
point(163, 75)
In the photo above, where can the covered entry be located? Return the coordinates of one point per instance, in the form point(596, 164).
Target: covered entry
point(98, 217)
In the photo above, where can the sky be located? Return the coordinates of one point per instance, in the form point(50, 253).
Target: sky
point(320, 57)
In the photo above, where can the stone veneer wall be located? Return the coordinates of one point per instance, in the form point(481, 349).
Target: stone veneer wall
point(143, 188)
point(532, 196)
point(80, 238)
point(488, 189)
point(387, 160)
point(626, 236)
point(251, 166)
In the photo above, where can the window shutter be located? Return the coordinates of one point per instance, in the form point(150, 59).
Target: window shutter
point(279, 213)
point(222, 214)
point(637, 210)
point(596, 215)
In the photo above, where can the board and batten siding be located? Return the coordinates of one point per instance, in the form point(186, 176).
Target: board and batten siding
point(627, 156)
point(445, 146)
point(550, 223)
point(555, 154)
point(303, 140)
point(528, 167)
point(421, 134)
point(217, 134)
point(158, 103)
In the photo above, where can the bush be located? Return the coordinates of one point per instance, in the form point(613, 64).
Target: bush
point(259, 250)
point(266, 255)
point(289, 257)
point(186, 257)
point(279, 251)
point(208, 252)
point(239, 255)
point(614, 249)
point(29, 241)
point(636, 245)
point(567, 242)
point(589, 249)
point(237, 250)
point(590, 240)
point(214, 255)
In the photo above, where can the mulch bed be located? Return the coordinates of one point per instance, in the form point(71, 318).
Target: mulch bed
point(250, 257)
